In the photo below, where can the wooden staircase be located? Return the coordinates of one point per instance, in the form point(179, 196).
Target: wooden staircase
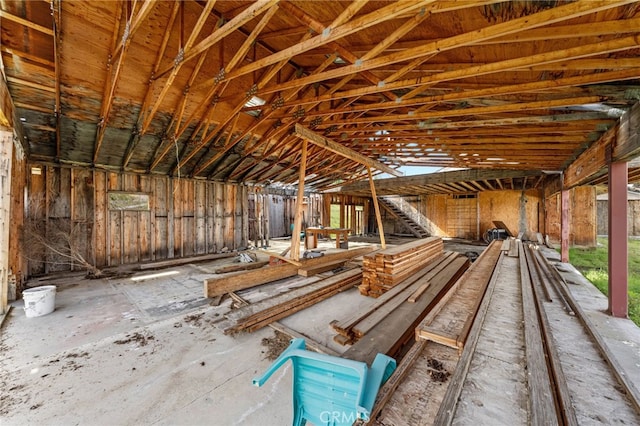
point(415, 228)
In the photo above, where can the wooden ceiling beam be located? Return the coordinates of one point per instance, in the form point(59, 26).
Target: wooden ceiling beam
point(465, 112)
point(102, 122)
point(114, 72)
point(26, 23)
point(330, 145)
point(235, 23)
point(600, 48)
point(235, 60)
point(31, 84)
point(512, 89)
point(27, 56)
point(178, 62)
point(336, 46)
point(260, 121)
point(556, 32)
point(56, 22)
point(444, 177)
point(419, 85)
point(328, 35)
point(588, 123)
point(421, 140)
point(543, 18)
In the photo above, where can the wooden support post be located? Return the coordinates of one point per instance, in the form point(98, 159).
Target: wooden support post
point(383, 244)
point(618, 266)
point(6, 156)
point(297, 223)
point(564, 225)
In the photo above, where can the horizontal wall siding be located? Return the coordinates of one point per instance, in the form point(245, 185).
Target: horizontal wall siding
point(185, 217)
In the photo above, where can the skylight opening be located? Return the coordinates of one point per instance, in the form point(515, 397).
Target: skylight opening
point(254, 102)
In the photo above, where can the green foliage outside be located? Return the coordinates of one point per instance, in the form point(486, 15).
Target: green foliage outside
point(593, 263)
point(335, 216)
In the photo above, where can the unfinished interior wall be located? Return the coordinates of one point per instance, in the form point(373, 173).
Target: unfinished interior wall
point(469, 216)
point(519, 211)
point(582, 216)
point(184, 217)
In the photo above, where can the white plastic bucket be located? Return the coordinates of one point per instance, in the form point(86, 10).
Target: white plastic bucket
point(39, 301)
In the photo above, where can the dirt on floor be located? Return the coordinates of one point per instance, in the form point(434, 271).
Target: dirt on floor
point(275, 345)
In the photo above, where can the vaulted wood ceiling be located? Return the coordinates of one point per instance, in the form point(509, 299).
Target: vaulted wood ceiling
point(168, 87)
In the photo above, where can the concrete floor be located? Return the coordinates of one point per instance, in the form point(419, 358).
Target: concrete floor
point(117, 351)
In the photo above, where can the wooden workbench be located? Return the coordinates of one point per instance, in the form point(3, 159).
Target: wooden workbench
point(310, 243)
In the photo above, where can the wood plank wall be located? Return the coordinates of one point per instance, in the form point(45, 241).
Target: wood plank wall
point(449, 216)
point(271, 215)
point(582, 214)
point(19, 170)
point(186, 217)
point(633, 217)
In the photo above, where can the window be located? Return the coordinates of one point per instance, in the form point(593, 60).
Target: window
point(128, 201)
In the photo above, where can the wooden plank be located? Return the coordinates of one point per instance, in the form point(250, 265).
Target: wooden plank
point(240, 267)
point(311, 343)
point(185, 260)
point(302, 304)
point(431, 279)
point(346, 324)
point(399, 327)
point(562, 396)
point(451, 326)
point(297, 222)
point(337, 148)
point(447, 409)
point(257, 315)
point(314, 270)
point(389, 387)
point(514, 248)
point(543, 408)
point(241, 280)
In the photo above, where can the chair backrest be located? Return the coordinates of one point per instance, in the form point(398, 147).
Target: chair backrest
point(329, 390)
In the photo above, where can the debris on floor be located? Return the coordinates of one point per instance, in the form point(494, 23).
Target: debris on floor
point(275, 345)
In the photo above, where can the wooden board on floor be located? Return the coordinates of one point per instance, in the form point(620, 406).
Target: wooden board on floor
point(368, 305)
point(310, 271)
point(417, 397)
point(451, 325)
point(236, 267)
point(185, 260)
point(398, 327)
point(241, 280)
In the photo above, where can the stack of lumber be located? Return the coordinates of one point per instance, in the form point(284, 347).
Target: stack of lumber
point(241, 280)
point(352, 327)
point(389, 324)
point(257, 315)
point(383, 270)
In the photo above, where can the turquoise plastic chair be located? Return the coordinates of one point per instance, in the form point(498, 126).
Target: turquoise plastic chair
point(329, 390)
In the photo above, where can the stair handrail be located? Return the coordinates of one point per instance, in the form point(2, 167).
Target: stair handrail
point(409, 210)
